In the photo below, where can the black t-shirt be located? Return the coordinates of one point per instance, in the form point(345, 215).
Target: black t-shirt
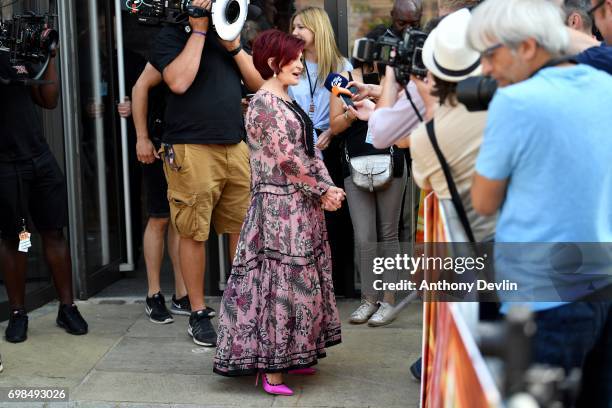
point(210, 111)
point(21, 133)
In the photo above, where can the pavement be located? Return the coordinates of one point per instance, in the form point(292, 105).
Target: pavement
point(127, 361)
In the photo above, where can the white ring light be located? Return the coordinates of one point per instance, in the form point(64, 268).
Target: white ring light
point(228, 30)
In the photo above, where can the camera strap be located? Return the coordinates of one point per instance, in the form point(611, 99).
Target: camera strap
point(451, 183)
point(553, 62)
point(416, 110)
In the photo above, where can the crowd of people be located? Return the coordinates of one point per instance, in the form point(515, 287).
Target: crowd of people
point(279, 179)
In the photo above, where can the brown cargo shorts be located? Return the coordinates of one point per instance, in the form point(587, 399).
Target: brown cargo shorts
point(208, 182)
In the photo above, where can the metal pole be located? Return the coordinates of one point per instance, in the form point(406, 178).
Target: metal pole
point(96, 81)
point(127, 206)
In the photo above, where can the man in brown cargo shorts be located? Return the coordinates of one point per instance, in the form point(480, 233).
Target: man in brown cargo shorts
point(205, 160)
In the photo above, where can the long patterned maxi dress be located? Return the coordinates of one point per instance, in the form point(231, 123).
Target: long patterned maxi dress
point(278, 310)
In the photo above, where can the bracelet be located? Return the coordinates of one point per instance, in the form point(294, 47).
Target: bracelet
point(202, 33)
point(235, 52)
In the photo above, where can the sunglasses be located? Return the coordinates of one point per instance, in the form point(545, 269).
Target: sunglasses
point(593, 9)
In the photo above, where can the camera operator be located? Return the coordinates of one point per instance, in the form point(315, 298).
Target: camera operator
point(600, 57)
point(32, 184)
point(548, 134)
point(205, 160)
point(404, 14)
point(577, 15)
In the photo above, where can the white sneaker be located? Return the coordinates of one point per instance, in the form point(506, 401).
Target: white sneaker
point(383, 316)
point(363, 312)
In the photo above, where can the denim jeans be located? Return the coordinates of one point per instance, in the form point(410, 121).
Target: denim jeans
point(579, 334)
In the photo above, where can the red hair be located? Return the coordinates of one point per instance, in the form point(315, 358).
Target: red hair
point(276, 44)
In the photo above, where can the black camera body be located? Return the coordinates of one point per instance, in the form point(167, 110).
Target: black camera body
point(29, 40)
point(156, 12)
point(404, 54)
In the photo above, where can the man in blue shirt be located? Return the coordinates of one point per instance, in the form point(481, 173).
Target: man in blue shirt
point(544, 164)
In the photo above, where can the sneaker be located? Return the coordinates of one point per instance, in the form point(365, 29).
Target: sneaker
point(155, 308)
point(201, 329)
point(183, 307)
point(17, 329)
point(363, 312)
point(70, 319)
point(383, 316)
point(1, 366)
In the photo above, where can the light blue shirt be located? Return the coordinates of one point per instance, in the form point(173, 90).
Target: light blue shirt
point(301, 94)
point(551, 138)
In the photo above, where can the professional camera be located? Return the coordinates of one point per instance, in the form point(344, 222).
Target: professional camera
point(155, 12)
point(404, 54)
point(228, 16)
point(29, 40)
point(476, 92)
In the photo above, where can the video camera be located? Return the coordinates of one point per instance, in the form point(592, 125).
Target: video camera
point(29, 39)
point(155, 12)
point(404, 54)
point(228, 16)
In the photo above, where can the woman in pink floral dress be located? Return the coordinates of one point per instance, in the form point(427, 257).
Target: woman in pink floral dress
point(278, 312)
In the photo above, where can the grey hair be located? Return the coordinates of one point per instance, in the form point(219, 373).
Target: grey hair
point(581, 7)
point(511, 22)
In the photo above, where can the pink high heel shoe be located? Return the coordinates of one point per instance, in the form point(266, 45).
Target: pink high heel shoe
point(274, 389)
point(303, 371)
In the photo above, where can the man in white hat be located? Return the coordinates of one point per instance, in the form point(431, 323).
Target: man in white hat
point(544, 164)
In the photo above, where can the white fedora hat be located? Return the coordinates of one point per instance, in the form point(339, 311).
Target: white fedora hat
point(446, 53)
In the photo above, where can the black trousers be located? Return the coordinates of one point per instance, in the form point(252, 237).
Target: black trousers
point(340, 227)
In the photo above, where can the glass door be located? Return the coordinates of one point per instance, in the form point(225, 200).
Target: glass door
point(98, 147)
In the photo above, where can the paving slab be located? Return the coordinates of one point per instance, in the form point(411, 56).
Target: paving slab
point(127, 361)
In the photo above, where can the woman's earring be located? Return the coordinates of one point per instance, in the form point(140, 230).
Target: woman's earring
point(274, 74)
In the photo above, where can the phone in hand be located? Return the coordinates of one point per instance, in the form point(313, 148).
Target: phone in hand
point(347, 94)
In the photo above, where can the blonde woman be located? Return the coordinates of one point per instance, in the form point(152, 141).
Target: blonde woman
point(321, 57)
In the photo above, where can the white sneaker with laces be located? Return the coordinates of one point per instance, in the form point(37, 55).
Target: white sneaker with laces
point(383, 316)
point(363, 312)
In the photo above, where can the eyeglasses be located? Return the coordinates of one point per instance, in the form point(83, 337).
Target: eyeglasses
point(593, 9)
point(488, 53)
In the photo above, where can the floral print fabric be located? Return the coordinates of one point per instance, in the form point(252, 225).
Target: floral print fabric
point(278, 310)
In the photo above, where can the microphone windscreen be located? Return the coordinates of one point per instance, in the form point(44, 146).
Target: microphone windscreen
point(335, 79)
point(337, 91)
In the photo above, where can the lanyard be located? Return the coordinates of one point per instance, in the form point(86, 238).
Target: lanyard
point(312, 90)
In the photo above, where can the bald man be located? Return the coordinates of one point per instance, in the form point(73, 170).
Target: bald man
point(404, 14)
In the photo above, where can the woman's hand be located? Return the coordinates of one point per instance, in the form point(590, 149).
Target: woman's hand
point(363, 109)
point(332, 199)
point(324, 139)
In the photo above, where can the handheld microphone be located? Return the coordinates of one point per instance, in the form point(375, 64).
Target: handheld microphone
point(336, 84)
